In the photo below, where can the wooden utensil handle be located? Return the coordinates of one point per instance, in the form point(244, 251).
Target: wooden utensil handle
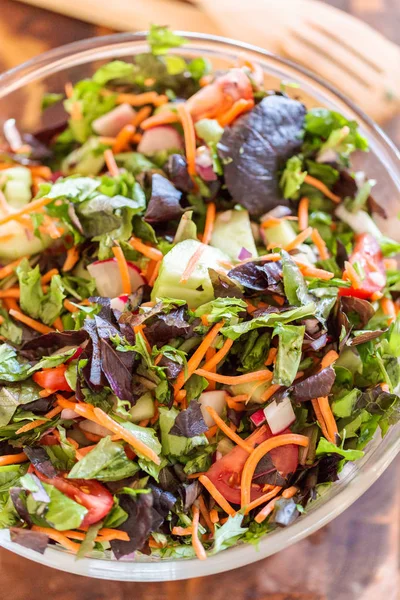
point(134, 14)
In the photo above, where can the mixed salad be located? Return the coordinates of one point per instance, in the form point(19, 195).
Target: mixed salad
point(198, 313)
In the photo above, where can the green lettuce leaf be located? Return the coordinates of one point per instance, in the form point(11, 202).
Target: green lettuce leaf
point(227, 535)
point(62, 512)
point(31, 293)
point(116, 69)
point(11, 367)
point(161, 39)
point(325, 447)
point(289, 353)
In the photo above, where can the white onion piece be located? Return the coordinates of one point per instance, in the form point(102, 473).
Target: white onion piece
point(119, 302)
point(217, 400)
point(68, 413)
point(360, 222)
point(159, 138)
point(108, 278)
point(92, 427)
point(279, 416)
point(111, 123)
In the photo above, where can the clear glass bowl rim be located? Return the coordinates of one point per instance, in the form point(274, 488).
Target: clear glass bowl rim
point(97, 48)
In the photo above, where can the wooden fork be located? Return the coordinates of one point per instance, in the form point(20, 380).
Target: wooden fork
point(340, 48)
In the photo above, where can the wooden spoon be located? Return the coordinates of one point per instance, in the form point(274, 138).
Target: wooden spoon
point(340, 48)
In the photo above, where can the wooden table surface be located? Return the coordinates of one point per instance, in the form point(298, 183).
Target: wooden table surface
point(354, 558)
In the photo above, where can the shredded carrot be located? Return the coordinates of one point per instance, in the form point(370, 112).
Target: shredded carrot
point(227, 431)
point(257, 454)
point(320, 417)
point(270, 392)
point(265, 257)
point(136, 138)
point(47, 277)
point(328, 417)
point(190, 137)
point(33, 424)
point(271, 356)
point(214, 516)
point(147, 251)
point(110, 163)
point(123, 269)
point(13, 459)
point(351, 274)
point(205, 514)
point(196, 475)
point(19, 316)
point(211, 352)
point(58, 537)
point(11, 304)
point(123, 138)
point(180, 396)
point(238, 108)
point(322, 188)
point(10, 293)
point(329, 358)
point(210, 220)
point(110, 534)
point(197, 356)
point(211, 432)
point(308, 271)
point(389, 309)
point(141, 99)
point(191, 265)
point(70, 307)
point(299, 239)
point(290, 492)
point(141, 115)
point(40, 171)
point(390, 264)
point(104, 419)
point(72, 258)
point(263, 375)
point(196, 543)
point(139, 330)
point(205, 321)
point(218, 356)
point(376, 296)
point(218, 497)
point(69, 89)
point(154, 274)
point(250, 307)
point(237, 406)
point(303, 213)
point(320, 244)
point(385, 387)
point(267, 510)
point(28, 208)
point(165, 117)
point(262, 499)
point(270, 222)
point(8, 269)
point(58, 324)
point(181, 531)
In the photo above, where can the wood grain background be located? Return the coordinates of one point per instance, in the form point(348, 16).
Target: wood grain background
point(354, 558)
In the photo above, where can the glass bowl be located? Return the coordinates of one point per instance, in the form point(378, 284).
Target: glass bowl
point(20, 95)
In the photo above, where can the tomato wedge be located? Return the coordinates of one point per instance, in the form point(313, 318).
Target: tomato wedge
point(226, 472)
point(368, 255)
point(53, 379)
point(89, 493)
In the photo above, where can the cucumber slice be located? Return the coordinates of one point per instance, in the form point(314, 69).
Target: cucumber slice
point(17, 193)
point(20, 244)
point(281, 234)
point(198, 289)
point(232, 232)
point(250, 388)
point(143, 409)
point(85, 160)
point(21, 174)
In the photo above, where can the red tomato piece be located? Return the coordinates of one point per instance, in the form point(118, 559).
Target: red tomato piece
point(227, 471)
point(368, 255)
point(53, 379)
point(89, 493)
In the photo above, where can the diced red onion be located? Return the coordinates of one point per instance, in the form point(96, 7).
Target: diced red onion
point(244, 253)
point(279, 416)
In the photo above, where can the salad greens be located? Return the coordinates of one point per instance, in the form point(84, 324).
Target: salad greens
point(189, 268)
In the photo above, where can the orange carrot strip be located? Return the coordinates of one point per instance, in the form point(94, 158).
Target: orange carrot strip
point(141, 115)
point(390, 264)
point(265, 257)
point(211, 432)
point(47, 277)
point(196, 543)
point(328, 417)
point(320, 244)
point(227, 431)
point(110, 163)
point(11, 304)
point(270, 392)
point(260, 451)
point(163, 118)
point(210, 220)
point(351, 274)
point(19, 316)
point(262, 499)
point(214, 516)
point(376, 296)
point(70, 307)
point(69, 89)
point(154, 274)
point(190, 267)
point(303, 213)
point(205, 514)
point(8, 269)
point(58, 324)
point(218, 356)
point(182, 530)
point(299, 239)
point(389, 309)
point(329, 358)
point(197, 356)
point(267, 510)
point(10, 293)
point(123, 269)
point(271, 356)
point(58, 537)
point(271, 222)
point(313, 272)
point(13, 459)
point(33, 424)
point(263, 375)
point(218, 497)
point(123, 138)
point(290, 492)
point(147, 251)
point(139, 330)
point(238, 108)
point(28, 208)
point(190, 137)
point(196, 475)
point(320, 417)
point(72, 259)
point(141, 99)
point(211, 352)
point(322, 188)
point(126, 435)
